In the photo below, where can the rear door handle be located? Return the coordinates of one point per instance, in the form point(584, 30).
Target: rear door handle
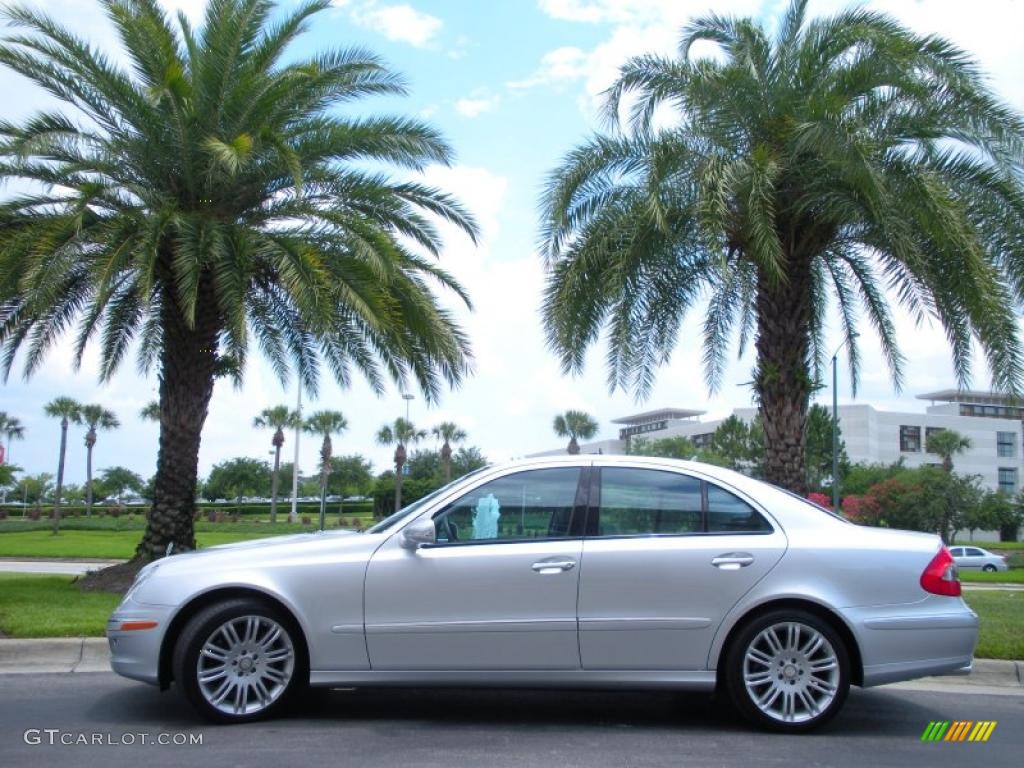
point(732, 561)
point(553, 566)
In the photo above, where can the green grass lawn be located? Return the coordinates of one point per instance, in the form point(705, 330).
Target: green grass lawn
point(104, 544)
point(51, 606)
point(1012, 576)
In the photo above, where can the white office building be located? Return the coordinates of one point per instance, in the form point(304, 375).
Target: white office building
point(993, 422)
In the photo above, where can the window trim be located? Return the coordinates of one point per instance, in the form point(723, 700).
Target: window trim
point(594, 509)
point(576, 516)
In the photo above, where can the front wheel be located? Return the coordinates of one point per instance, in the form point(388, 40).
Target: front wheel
point(788, 671)
point(239, 660)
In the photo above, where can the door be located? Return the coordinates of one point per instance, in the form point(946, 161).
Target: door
point(497, 590)
point(973, 559)
point(666, 555)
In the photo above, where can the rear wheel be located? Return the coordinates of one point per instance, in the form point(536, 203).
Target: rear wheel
point(989, 568)
point(240, 660)
point(788, 671)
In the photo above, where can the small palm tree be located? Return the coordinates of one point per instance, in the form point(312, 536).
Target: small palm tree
point(68, 411)
point(12, 429)
point(450, 433)
point(150, 412)
point(946, 444)
point(400, 434)
point(576, 425)
point(278, 419)
point(325, 423)
point(95, 417)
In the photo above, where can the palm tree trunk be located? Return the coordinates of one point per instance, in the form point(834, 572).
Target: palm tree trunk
point(88, 478)
point(783, 382)
point(60, 474)
point(325, 471)
point(273, 484)
point(446, 457)
point(187, 371)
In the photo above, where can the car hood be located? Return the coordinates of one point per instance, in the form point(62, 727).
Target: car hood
point(276, 541)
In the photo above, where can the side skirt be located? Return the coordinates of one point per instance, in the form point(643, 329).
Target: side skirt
point(698, 680)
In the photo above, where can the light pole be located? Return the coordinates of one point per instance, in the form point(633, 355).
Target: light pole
point(293, 516)
point(407, 397)
point(835, 423)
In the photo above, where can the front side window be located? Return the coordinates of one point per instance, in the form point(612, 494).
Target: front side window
point(536, 504)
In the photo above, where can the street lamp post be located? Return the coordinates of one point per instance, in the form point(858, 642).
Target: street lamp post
point(835, 423)
point(407, 397)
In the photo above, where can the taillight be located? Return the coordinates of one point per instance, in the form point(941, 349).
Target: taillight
point(941, 576)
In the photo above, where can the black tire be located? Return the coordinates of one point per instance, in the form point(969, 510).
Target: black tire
point(199, 629)
point(989, 568)
point(742, 696)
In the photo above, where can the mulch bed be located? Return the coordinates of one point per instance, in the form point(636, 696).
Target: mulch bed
point(117, 578)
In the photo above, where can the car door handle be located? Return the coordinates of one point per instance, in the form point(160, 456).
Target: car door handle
point(553, 566)
point(732, 561)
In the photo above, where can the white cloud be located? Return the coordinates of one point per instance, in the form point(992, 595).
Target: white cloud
point(402, 22)
point(476, 106)
point(561, 65)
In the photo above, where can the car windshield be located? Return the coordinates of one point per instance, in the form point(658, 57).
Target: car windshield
point(415, 506)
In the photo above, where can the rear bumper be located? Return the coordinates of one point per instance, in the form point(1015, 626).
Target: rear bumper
point(905, 647)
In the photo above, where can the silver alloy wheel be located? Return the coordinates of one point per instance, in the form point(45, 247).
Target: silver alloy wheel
point(791, 672)
point(245, 665)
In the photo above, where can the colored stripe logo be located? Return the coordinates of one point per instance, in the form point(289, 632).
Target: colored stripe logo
point(958, 730)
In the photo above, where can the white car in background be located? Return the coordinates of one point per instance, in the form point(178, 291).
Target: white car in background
point(976, 558)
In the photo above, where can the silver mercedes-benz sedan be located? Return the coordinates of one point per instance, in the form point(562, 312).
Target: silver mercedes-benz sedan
point(581, 571)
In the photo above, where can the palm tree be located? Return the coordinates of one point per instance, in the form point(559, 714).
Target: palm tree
point(947, 443)
point(12, 429)
point(325, 423)
point(400, 434)
point(450, 433)
point(576, 425)
point(840, 160)
point(277, 418)
point(214, 199)
point(150, 411)
point(95, 417)
point(68, 411)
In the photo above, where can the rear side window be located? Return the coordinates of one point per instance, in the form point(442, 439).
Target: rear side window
point(728, 513)
point(639, 501)
point(648, 502)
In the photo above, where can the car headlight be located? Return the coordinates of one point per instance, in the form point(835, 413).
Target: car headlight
point(140, 578)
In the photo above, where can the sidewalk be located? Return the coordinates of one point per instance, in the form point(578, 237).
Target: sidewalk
point(92, 654)
point(60, 566)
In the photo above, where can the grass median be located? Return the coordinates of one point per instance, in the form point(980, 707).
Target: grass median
point(51, 606)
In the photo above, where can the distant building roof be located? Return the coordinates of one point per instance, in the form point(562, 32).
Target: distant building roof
point(971, 396)
point(662, 414)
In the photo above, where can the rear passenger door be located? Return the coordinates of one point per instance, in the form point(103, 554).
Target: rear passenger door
point(665, 557)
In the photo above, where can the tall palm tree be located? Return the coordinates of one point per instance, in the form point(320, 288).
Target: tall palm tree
point(325, 423)
point(94, 417)
point(150, 411)
point(214, 200)
point(68, 411)
point(278, 419)
point(576, 425)
point(400, 434)
point(946, 444)
point(450, 433)
point(837, 163)
point(12, 429)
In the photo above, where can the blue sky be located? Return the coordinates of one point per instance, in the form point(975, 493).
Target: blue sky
point(513, 85)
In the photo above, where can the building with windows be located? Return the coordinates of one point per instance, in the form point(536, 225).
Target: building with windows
point(992, 421)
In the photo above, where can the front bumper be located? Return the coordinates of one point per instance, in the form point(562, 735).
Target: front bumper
point(135, 653)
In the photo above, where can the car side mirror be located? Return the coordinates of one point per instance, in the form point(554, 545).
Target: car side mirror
point(418, 533)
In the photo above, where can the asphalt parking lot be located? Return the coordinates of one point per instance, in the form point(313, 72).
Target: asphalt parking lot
point(879, 727)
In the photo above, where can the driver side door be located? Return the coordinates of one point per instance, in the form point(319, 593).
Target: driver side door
point(498, 588)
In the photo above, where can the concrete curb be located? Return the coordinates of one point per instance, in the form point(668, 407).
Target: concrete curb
point(92, 654)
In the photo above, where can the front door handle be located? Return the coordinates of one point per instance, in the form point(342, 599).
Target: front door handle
point(732, 561)
point(553, 566)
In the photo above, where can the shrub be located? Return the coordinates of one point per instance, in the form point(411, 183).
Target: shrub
point(306, 520)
